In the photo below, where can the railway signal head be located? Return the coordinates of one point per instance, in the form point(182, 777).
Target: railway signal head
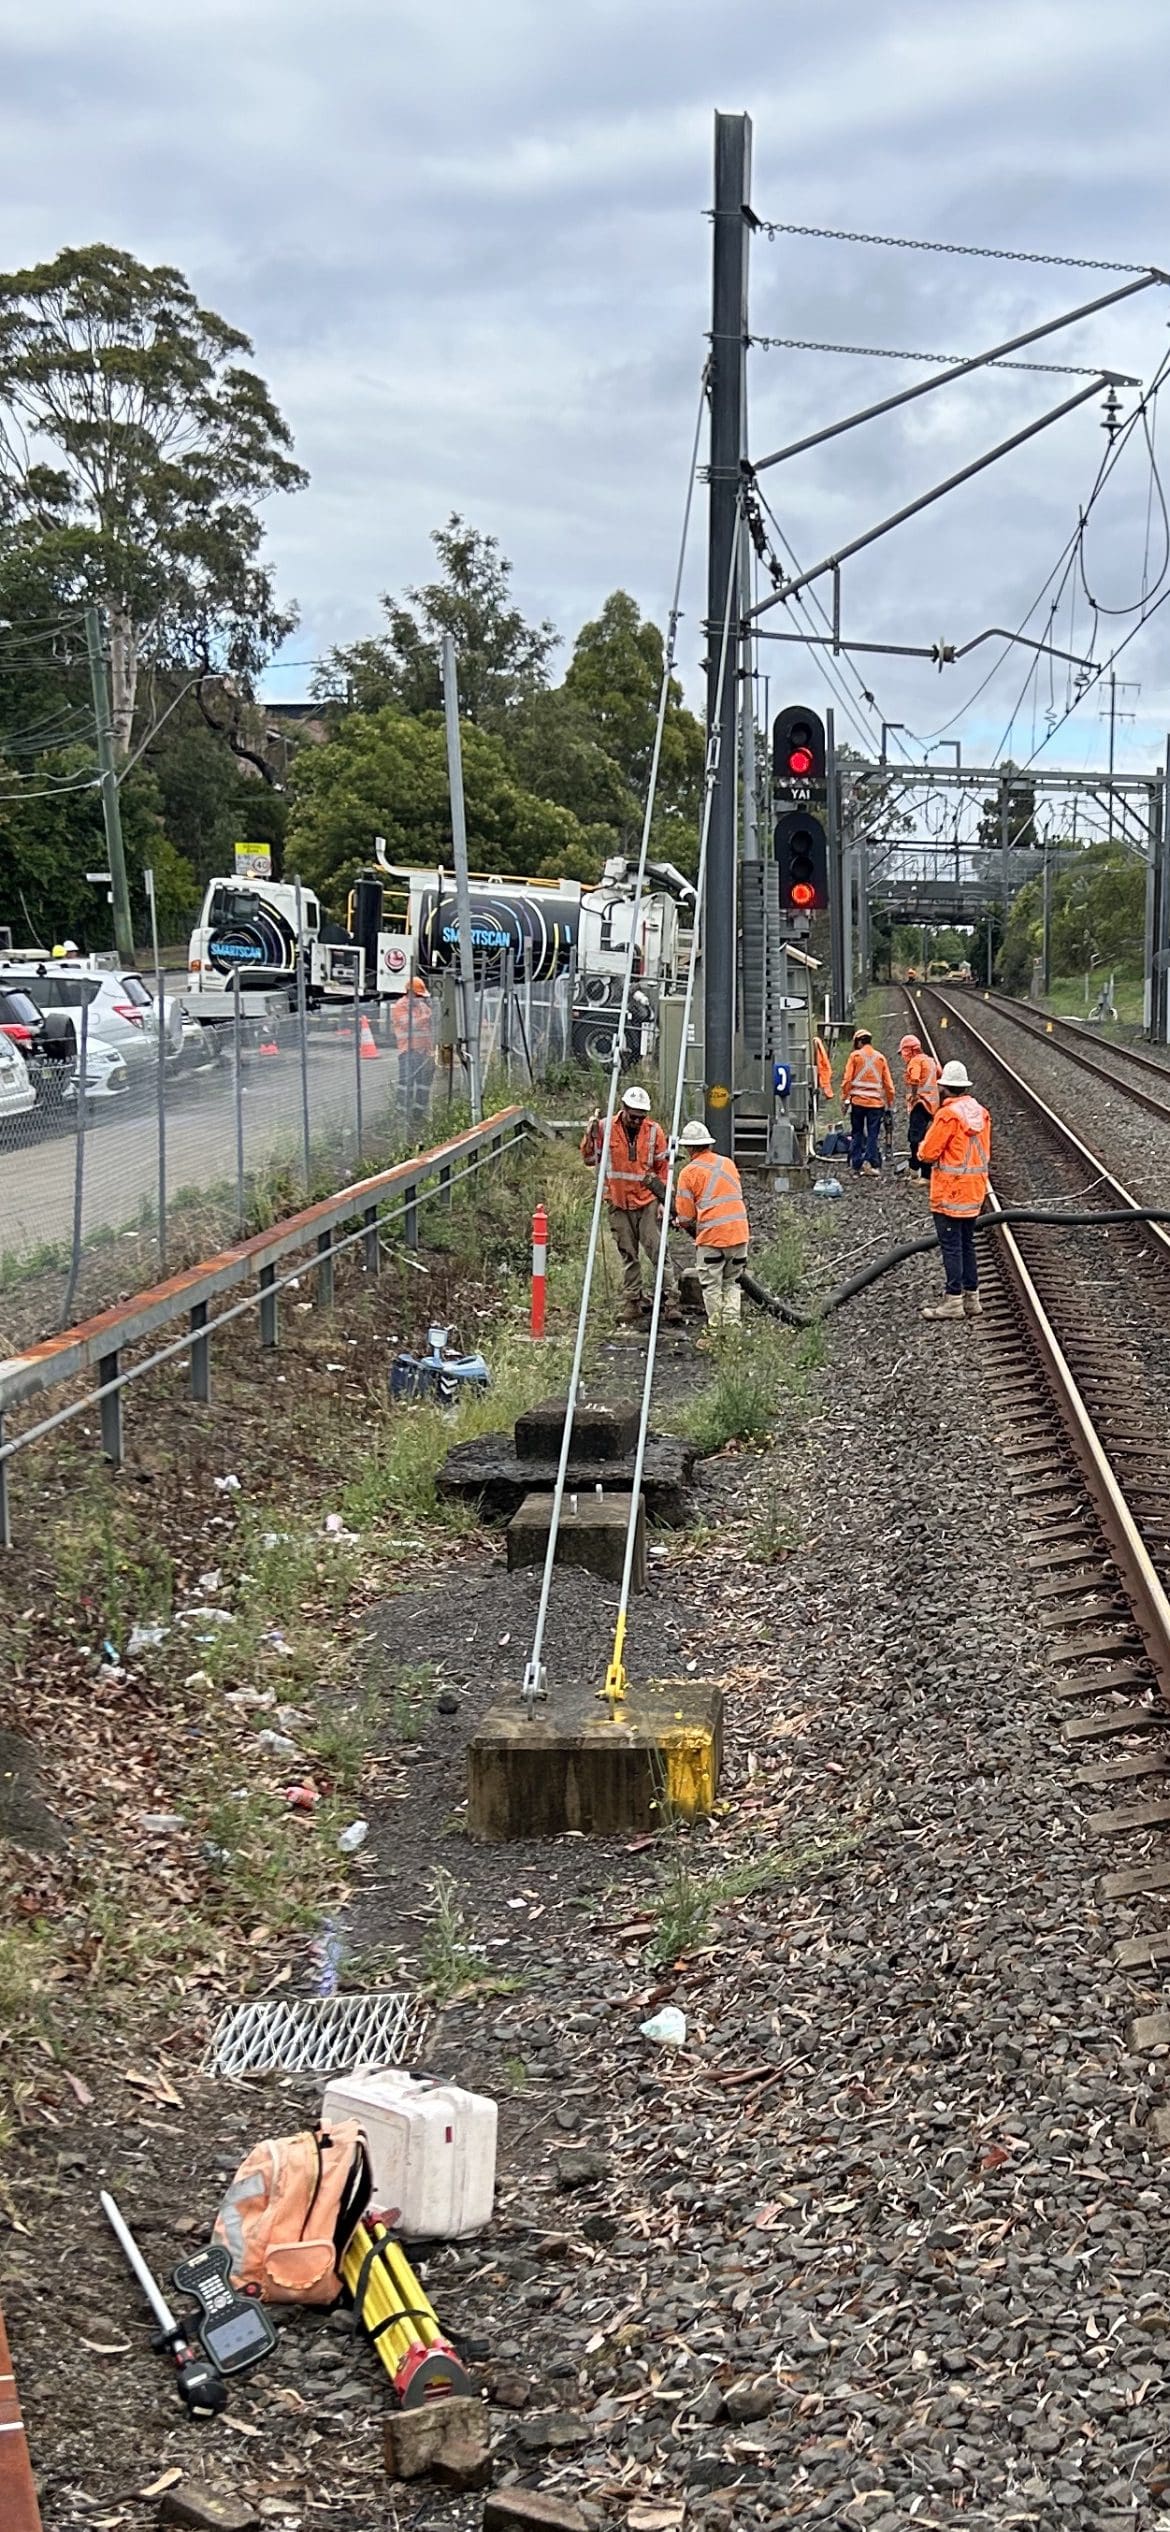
point(802, 854)
point(798, 748)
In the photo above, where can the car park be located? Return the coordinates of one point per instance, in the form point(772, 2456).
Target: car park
point(17, 1092)
point(120, 1011)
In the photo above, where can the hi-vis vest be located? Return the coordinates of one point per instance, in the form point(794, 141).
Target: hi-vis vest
point(625, 1178)
point(413, 1025)
point(867, 1082)
point(824, 1065)
point(958, 1146)
point(922, 1074)
point(710, 1196)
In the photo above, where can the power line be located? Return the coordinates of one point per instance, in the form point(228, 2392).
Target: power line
point(937, 360)
point(940, 246)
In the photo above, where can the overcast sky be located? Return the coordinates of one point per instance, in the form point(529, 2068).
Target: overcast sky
point(469, 240)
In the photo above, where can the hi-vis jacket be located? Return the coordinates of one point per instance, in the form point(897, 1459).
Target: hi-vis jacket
point(868, 1081)
point(709, 1200)
point(957, 1142)
point(824, 1064)
point(631, 1158)
point(414, 1032)
point(920, 1073)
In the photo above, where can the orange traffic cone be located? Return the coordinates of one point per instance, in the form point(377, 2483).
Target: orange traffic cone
point(368, 1050)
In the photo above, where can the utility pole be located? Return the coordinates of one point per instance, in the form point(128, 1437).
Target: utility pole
point(839, 909)
point(450, 676)
point(729, 325)
point(1158, 910)
point(111, 801)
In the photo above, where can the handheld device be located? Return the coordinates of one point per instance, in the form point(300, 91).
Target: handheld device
point(201, 2388)
point(233, 2328)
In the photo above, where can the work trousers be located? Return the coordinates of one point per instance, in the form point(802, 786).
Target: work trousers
point(415, 1081)
point(720, 1277)
point(866, 1137)
point(956, 1239)
point(916, 1125)
point(636, 1235)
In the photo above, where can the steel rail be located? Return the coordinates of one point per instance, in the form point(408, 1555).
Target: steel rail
point(1089, 1052)
point(1055, 1124)
point(1139, 1579)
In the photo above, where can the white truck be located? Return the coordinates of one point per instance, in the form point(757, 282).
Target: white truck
point(402, 922)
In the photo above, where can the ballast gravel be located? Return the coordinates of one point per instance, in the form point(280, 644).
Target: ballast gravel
point(1130, 1142)
point(884, 2243)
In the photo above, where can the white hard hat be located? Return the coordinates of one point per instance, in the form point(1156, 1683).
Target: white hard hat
point(955, 1077)
point(696, 1135)
point(637, 1100)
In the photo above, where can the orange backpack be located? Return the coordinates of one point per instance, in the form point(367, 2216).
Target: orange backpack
point(290, 2211)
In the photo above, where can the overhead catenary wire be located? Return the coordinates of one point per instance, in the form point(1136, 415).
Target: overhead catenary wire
point(940, 246)
point(615, 1677)
point(932, 360)
point(534, 1685)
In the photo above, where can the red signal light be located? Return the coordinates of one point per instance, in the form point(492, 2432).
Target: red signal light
point(800, 894)
point(800, 761)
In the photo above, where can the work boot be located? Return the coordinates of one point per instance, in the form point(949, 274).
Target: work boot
point(672, 1316)
point(972, 1306)
point(868, 1170)
point(634, 1312)
point(951, 1308)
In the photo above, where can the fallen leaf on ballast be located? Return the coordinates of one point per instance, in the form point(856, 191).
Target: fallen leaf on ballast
point(81, 2092)
point(159, 2087)
point(645, 2516)
point(159, 2487)
point(108, 2347)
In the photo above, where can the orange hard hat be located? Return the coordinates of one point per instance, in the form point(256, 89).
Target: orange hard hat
point(909, 1046)
point(863, 1037)
point(417, 985)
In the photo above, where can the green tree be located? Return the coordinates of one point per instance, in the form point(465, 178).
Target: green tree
point(614, 679)
point(1021, 813)
point(134, 447)
point(385, 773)
point(502, 658)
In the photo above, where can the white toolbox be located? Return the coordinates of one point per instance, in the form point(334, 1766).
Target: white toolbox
point(432, 2148)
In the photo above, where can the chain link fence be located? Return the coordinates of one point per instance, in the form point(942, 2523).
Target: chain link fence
point(112, 1177)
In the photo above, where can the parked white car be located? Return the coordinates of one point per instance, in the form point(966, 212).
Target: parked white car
point(17, 1093)
point(121, 1014)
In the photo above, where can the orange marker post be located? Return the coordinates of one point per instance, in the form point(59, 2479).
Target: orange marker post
point(539, 1269)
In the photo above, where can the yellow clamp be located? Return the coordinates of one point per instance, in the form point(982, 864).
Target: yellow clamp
point(615, 1678)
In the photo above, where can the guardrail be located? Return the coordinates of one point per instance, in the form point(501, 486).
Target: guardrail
point(101, 1342)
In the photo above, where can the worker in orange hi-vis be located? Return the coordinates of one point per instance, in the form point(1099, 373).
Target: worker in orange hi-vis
point(867, 1091)
point(414, 1037)
point(708, 1201)
point(920, 1073)
point(636, 1167)
point(957, 1145)
point(824, 1064)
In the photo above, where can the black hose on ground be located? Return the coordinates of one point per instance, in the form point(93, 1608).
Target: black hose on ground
point(879, 1266)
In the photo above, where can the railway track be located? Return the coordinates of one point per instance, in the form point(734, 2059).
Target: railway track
point(1079, 1359)
point(1116, 1068)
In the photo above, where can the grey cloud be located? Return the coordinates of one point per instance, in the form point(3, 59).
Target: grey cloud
point(470, 246)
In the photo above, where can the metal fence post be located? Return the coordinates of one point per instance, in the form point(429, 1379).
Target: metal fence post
point(357, 1069)
point(110, 1407)
point(161, 1079)
point(238, 1087)
point(303, 1022)
point(325, 1269)
point(78, 1170)
point(268, 1329)
point(200, 1357)
point(371, 1243)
